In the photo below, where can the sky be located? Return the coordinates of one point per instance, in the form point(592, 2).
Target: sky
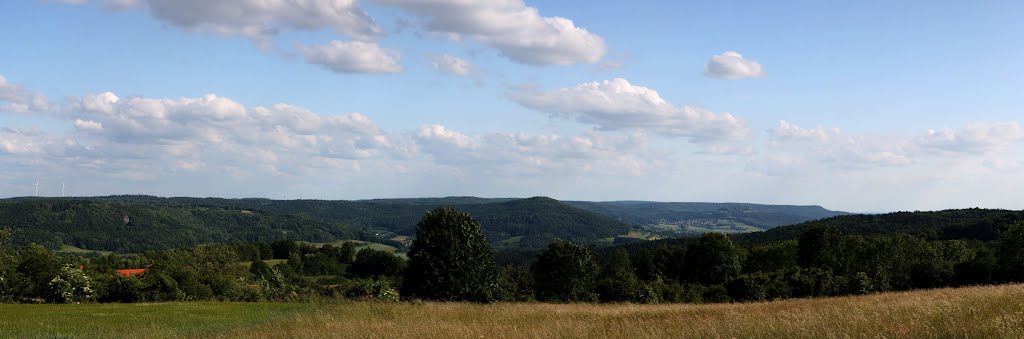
point(863, 106)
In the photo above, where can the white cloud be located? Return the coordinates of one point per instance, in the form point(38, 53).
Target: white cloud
point(731, 66)
point(352, 57)
point(88, 125)
point(19, 141)
point(16, 99)
point(973, 139)
point(440, 135)
point(261, 20)
point(452, 65)
point(518, 31)
point(619, 105)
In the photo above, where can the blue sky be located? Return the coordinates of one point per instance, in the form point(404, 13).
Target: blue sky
point(860, 106)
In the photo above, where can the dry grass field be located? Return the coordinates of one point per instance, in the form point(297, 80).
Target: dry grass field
point(978, 312)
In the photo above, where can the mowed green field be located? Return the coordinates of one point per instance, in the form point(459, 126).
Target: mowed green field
point(982, 312)
point(359, 245)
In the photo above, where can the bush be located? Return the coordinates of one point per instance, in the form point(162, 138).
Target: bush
point(118, 288)
point(71, 285)
point(715, 294)
point(375, 289)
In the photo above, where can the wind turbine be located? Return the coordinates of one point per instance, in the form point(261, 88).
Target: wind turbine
point(62, 188)
point(37, 188)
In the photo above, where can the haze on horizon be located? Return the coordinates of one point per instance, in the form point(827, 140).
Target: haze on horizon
point(864, 106)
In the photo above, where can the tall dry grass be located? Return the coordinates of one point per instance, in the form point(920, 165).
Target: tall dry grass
point(977, 312)
point(981, 312)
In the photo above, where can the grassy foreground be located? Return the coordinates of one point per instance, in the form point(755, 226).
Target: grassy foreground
point(990, 312)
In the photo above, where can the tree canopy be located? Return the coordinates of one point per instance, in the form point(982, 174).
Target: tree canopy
point(450, 259)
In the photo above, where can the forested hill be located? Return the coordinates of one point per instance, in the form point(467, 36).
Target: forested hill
point(959, 224)
point(134, 223)
point(973, 223)
point(135, 227)
point(757, 216)
point(98, 223)
point(502, 218)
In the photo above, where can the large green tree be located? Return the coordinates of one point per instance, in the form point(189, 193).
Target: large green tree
point(566, 272)
point(450, 259)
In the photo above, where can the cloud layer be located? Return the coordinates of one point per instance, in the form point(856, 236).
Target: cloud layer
point(145, 139)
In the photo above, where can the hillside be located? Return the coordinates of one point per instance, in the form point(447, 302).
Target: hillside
point(688, 218)
point(974, 223)
point(123, 227)
point(98, 223)
point(153, 223)
point(958, 224)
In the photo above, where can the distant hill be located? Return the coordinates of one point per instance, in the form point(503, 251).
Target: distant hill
point(958, 224)
point(132, 223)
point(687, 218)
point(973, 224)
point(154, 223)
point(133, 227)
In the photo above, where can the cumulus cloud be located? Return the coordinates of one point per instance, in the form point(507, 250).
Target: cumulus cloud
point(352, 57)
point(440, 135)
point(88, 125)
point(973, 138)
point(17, 99)
point(261, 20)
point(452, 65)
point(731, 66)
point(619, 105)
point(518, 31)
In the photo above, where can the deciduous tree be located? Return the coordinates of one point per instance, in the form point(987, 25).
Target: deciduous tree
point(450, 259)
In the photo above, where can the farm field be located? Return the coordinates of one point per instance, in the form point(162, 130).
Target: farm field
point(77, 250)
point(359, 245)
point(989, 312)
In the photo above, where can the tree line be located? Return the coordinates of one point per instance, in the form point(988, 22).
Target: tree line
point(450, 259)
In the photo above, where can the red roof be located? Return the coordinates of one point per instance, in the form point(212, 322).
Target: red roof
point(131, 272)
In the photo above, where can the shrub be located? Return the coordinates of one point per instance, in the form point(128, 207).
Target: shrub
point(71, 285)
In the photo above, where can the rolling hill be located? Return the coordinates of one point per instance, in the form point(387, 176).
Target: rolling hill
point(132, 223)
point(688, 218)
point(136, 223)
